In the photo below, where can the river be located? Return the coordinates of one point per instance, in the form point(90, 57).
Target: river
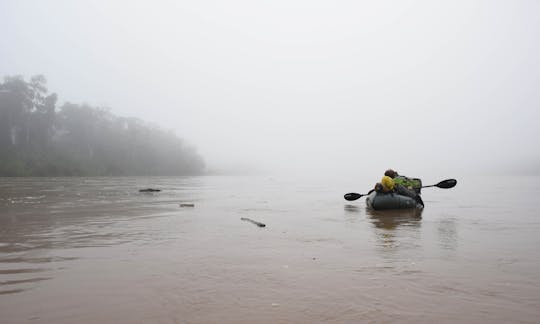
point(96, 250)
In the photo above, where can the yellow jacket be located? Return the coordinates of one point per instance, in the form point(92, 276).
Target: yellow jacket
point(387, 184)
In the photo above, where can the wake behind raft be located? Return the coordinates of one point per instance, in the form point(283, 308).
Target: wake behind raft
point(386, 201)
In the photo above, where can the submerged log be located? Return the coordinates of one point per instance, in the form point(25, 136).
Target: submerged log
point(150, 190)
point(187, 205)
point(252, 221)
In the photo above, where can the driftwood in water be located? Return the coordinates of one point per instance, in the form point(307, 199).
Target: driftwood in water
point(150, 190)
point(252, 221)
point(187, 205)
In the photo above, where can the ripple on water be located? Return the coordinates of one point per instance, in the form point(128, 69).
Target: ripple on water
point(20, 273)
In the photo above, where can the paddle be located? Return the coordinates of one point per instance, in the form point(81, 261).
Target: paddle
point(445, 184)
point(353, 196)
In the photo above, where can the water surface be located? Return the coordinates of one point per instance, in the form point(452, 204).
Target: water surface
point(95, 250)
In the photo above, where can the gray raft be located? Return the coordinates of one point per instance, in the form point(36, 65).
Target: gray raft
point(385, 201)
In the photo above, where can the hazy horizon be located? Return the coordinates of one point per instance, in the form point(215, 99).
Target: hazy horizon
point(303, 87)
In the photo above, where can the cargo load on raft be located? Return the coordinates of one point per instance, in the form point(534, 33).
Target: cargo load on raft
point(392, 200)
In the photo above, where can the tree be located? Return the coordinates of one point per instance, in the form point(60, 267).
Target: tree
point(35, 139)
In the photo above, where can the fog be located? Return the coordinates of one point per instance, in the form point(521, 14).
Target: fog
point(331, 88)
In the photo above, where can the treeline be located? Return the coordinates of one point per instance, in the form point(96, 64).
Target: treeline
point(39, 139)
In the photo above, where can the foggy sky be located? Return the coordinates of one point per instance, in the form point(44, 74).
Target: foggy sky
point(319, 87)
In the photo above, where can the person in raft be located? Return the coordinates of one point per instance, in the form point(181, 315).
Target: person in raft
point(388, 185)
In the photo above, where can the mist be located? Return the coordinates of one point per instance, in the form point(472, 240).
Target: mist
point(301, 87)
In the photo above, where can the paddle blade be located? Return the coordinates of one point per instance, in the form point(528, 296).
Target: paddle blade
point(447, 184)
point(352, 196)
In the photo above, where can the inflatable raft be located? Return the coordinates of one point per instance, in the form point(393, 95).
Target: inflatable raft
point(401, 197)
point(385, 201)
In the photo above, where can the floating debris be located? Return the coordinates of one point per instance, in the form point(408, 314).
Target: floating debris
point(150, 190)
point(187, 205)
point(252, 221)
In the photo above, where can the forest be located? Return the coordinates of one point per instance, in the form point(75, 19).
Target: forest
point(37, 138)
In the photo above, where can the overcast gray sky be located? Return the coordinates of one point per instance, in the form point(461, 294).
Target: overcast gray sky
point(329, 87)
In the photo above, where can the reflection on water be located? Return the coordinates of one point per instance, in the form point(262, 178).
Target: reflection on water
point(75, 250)
point(42, 219)
point(352, 213)
point(391, 219)
point(351, 208)
point(395, 228)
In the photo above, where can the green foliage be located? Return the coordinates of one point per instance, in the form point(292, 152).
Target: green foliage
point(79, 140)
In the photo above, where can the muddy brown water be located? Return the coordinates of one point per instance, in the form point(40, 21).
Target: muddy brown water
point(96, 250)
